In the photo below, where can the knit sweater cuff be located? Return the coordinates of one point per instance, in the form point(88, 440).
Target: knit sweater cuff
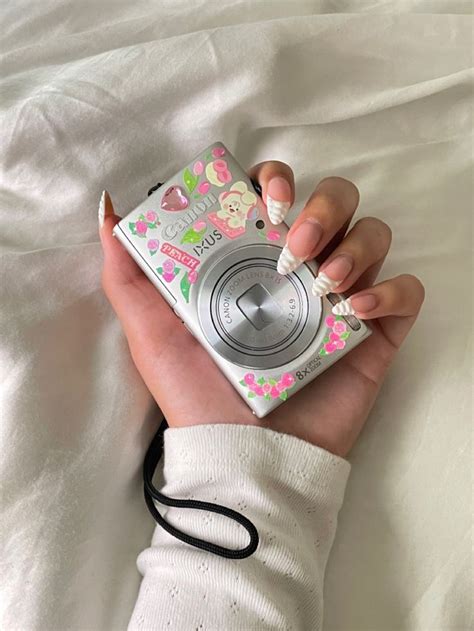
point(259, 452)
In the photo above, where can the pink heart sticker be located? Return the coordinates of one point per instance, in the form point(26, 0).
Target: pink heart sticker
point(174, 199)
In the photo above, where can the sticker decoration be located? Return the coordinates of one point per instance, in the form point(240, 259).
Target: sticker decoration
point(190, 180)
point(174, 199)
point(271, 388)
point(188, 279)
point(236, 205)
point(153, 246)
point(195, 233)
point(217, 172)
point(146, 221)
point(179, 255)
point(168, 270)
point(336, 335)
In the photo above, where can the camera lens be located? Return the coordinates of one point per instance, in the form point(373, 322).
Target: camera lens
point(253, 316)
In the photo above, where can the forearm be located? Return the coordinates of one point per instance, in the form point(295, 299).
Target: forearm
point(289, 489)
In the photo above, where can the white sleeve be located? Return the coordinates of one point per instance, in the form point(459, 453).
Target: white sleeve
point(289, 489)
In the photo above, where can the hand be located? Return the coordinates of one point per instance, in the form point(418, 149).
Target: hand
point(330, 411)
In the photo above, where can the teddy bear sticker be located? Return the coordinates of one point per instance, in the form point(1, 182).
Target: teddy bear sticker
point(236, 206)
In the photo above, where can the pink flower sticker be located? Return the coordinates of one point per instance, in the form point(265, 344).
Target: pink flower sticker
point(334, 337)
point(249, 378)
point(151, 216)
point(199, 225)
point(192, 276)
point(330, 320)
point(168, 266)
point(259, 391)
point(339, 327)
point(330, 347)
point(198, 168)
point(340, 344)
point(204, 187)
point(218, 152)
point(273, 235)
point(141, 227)
point(287, 379)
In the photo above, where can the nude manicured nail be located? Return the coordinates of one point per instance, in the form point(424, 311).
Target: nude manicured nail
point(305, 238)
point(105, 208)
point(287, 261)
point(333, 275)
point(278, 199)
point(360, 304)
point(365, 303)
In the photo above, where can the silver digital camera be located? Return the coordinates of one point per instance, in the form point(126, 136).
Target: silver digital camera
point(205, 241)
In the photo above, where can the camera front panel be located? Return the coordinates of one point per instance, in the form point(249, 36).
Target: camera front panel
point(204, 239)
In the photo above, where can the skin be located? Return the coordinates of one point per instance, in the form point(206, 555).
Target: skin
point(330, 411)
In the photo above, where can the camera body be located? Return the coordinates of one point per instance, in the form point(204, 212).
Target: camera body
point(205, 241)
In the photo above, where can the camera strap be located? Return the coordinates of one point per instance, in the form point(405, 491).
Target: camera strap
point(152, 494)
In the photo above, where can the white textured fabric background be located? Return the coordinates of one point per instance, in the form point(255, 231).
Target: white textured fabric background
point(118, 94)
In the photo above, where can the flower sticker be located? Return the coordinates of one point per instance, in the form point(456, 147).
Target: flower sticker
point(196, 233)
point(153, 246)
point(336, 335)
point(218, 152)
point(168, 270)
point(146, 221)
point(187, 280)
point(270, 388)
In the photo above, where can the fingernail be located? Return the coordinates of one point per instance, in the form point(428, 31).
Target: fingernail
point(333, 275)
point(343, 308)
point(287, 261)
point(305, 238)
point(365, 303)
point(105, 208)
point(278, 199)
point(360, 304)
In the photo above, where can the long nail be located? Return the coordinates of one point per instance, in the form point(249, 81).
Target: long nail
point(343, 308)
point(333, 275)
point(356, 304)
point(278, 199)
point(287, 261)
point(105, 208)
point(305, 238)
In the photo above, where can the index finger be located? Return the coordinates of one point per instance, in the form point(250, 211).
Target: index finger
point(278, 188)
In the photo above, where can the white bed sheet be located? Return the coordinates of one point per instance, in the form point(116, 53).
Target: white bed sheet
point(119, 94)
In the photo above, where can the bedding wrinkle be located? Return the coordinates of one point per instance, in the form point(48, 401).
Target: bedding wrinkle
point(118, 96)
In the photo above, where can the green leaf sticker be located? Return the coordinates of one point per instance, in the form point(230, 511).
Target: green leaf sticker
point(185, 285)
point(284, 395)
point(322, 352)
point(345, 335)
point(267, 397)
point(193, 236)
point(159, 270)
point(273, 382)
point(338, 318)
point(326, 340)
point(242, 382)
point(251, 395)
point(131, 227)
point(176, 271)
point(261, 381)
point(190, 180)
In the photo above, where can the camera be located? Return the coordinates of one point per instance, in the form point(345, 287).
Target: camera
point(204, 240)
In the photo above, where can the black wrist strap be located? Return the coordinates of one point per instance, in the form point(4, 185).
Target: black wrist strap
point(152, 457)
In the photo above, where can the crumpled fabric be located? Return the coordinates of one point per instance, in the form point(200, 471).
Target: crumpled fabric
point(119, 95)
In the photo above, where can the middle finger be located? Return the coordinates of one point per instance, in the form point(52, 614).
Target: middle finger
point(328, 210)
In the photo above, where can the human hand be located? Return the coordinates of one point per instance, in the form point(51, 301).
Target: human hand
point(331, 410)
